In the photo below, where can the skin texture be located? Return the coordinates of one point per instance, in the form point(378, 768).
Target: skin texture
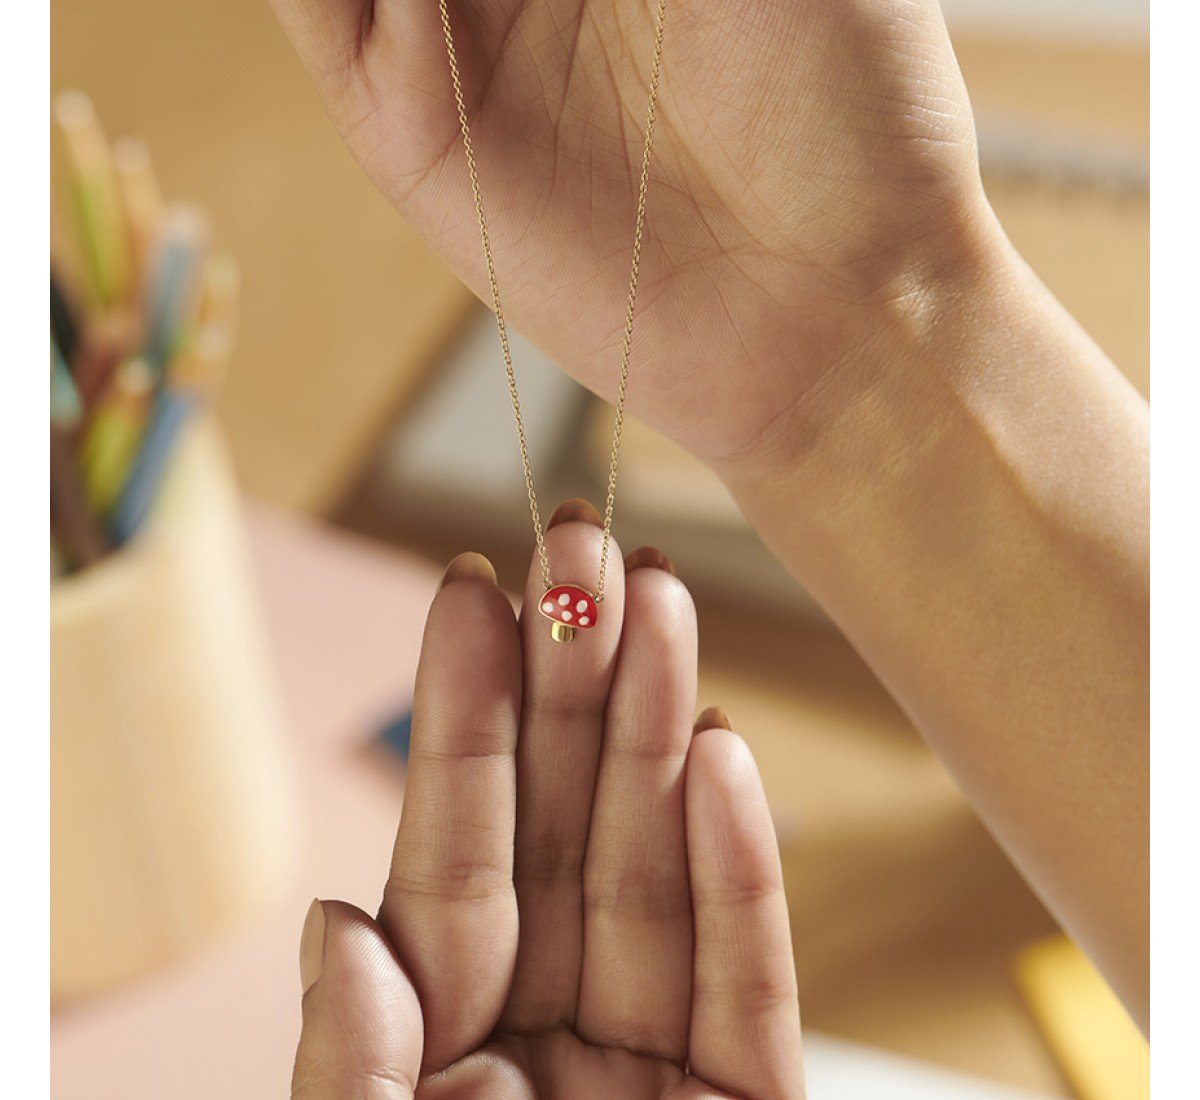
point(806, 154)
point(585, 897)
point(833, 320)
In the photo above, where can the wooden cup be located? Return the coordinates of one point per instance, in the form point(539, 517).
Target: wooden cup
point(173, 814)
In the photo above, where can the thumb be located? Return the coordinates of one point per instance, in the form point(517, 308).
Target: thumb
point(362, 1032)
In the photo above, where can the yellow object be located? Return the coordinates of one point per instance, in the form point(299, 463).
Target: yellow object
point(112, 437)
point(96, 192)
point(1100, 1049)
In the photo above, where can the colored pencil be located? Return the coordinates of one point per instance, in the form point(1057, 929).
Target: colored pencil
point(174, 281)
point(200, 367)
point(113, 433)
point(145, 351)
point(81, 537)
point(142, 201)
point(103, 232)
point(108, 339)
point(191, 384)
point(171, 412)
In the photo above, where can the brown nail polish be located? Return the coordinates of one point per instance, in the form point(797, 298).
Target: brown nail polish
point(468, 566)
point(712, 718)
point(575, 510)
point(312, 946)
point(648, 557)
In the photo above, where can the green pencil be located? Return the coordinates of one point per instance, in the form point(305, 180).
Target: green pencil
point(113, 433)
point(104, 235)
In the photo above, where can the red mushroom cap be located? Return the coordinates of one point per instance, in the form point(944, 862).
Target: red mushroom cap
point(570, 605)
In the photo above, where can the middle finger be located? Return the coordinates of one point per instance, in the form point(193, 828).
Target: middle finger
point(565, 691)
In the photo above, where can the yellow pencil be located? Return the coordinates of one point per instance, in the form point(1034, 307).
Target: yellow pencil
point(142, 201)
point(103, 231)
point(111, 440)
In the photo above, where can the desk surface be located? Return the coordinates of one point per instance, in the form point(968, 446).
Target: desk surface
point(905, 915)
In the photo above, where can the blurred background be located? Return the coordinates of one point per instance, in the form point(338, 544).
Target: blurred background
point(307, 587)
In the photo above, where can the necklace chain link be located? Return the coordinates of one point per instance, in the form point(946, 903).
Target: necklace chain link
point(630, 306)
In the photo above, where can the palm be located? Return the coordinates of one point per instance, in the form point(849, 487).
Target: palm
point(799, 145)
point(562, 1065)
point(585, 900)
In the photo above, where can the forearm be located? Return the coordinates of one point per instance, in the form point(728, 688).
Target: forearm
point(967, 495)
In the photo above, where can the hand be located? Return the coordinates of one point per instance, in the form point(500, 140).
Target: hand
point(585, 898)
point(814, 172)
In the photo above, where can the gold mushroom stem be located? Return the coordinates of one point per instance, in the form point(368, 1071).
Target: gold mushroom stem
point(560, 632)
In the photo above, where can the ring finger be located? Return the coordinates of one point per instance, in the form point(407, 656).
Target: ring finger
point(637, 967)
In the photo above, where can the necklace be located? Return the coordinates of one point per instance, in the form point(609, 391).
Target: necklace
point(568, 606)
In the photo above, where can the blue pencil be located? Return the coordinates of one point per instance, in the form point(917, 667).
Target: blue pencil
point(171, 413)
point(174, 282)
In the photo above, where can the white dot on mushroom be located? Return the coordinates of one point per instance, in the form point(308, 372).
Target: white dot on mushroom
point(584, 620)
point(566, 616)
point(581, 605)
point(563, 600)
point(547, 607)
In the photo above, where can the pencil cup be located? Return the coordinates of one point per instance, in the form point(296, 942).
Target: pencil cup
point(172, 805)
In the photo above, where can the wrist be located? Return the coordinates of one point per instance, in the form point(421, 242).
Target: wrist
point(966, 379)
point(913, 318)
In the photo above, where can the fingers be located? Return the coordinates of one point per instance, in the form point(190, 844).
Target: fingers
point(362, 1024)
point(745, 1026)
point(566, 688)
point(327, 34)
point(636, 983)
point(449, 905)
point(385, 62)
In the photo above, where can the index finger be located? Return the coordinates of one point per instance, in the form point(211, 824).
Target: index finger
point(449, 906)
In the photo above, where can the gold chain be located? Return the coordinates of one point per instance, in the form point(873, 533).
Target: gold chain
point(631, 303)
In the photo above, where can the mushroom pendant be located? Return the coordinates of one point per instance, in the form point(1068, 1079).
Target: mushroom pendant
point(569, 608)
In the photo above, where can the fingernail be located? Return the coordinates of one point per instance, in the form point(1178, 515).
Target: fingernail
point(647, 557)
point(468, 566)
point(312, 946)
point(575, 510)
point(712, 718)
